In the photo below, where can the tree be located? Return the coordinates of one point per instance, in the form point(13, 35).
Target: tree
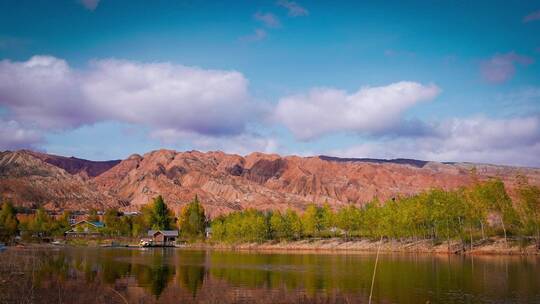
point(327, 217)
point(278, 226)
point(311, 221)
point(60, 225)
point(497, 200)
point(162, 218)
point(8, 220)
point(115, 224)
point(40, 224)
point(529, 199)
point(192, 219)
point(348, 219)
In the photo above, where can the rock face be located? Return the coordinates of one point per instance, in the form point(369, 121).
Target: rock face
point(30, 182)
point(228, 182)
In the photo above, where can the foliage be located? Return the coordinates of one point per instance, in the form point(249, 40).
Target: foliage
point(8, 221)
point(192, 220)
point(115, 223)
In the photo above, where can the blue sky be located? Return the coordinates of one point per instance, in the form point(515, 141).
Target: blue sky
point(446, 81)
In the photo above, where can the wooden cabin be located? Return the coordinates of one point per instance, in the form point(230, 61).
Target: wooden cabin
point(163, 237)
point(85, 228)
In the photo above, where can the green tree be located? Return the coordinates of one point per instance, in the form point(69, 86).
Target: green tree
point(61, 225)
point(312, 221)
point(40, 224)
point(349, 219)
point(192, 220)
point(162, 218)
point(327, 218)
point(8, 221)
point(115, 224)
point(496, 198)
point(529, 199)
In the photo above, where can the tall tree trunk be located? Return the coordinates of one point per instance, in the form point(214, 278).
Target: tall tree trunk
point(537, 236)
point(447, 235)
point(470, 234)
point(504, 230)
point(482, 228)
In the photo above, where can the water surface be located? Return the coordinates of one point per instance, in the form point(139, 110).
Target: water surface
point(110, 275)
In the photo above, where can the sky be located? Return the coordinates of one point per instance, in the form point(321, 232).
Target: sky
point(430, 80)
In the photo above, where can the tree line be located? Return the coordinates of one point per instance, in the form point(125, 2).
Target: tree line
point(469, 214)
point(156, 215)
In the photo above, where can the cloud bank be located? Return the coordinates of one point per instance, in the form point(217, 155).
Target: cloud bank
point(511, 141)
point(323, 111)
point(47, 92)
point(213, 109)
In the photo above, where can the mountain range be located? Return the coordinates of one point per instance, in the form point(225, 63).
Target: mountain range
point(227, 182)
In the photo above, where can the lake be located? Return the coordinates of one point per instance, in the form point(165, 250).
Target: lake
point(169, 275)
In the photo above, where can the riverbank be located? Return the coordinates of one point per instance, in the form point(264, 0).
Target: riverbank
point(494, 246)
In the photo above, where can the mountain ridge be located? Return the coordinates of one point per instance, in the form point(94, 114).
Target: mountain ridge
point(228, 182)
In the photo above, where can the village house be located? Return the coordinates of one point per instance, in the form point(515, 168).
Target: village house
point(163, 237)
point(85, 229)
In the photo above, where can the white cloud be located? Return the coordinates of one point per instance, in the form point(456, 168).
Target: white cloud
point(502, 67)
point(240, 144)
point(13, 136)
point(268, 19)
point(90, 4)
point(534, 16)
point(511, 141)
point(46, 92)
point(324, 111)
point(293, 8)
point(258, 35)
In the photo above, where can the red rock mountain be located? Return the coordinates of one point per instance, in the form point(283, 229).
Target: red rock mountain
point(227, 182)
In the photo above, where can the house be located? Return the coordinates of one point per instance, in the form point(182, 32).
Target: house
point(163, 237)
point(85, 228)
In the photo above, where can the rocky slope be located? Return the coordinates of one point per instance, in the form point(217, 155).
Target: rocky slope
point(227, 182)
point(30, 182)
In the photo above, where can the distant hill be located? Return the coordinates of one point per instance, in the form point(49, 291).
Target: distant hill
point(228, 182)
point(73, 165)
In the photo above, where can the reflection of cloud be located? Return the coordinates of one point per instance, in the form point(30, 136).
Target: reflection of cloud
point(294, 9)
point(502, 67)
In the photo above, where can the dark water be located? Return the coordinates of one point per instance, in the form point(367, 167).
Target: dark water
point(107, 275)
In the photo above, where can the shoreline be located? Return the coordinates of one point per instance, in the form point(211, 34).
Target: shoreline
point(489, 247)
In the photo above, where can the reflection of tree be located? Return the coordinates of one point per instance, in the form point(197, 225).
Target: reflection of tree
point(191, 276)
point(156, 276)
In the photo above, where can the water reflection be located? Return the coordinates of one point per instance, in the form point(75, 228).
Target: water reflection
point(170, 275)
